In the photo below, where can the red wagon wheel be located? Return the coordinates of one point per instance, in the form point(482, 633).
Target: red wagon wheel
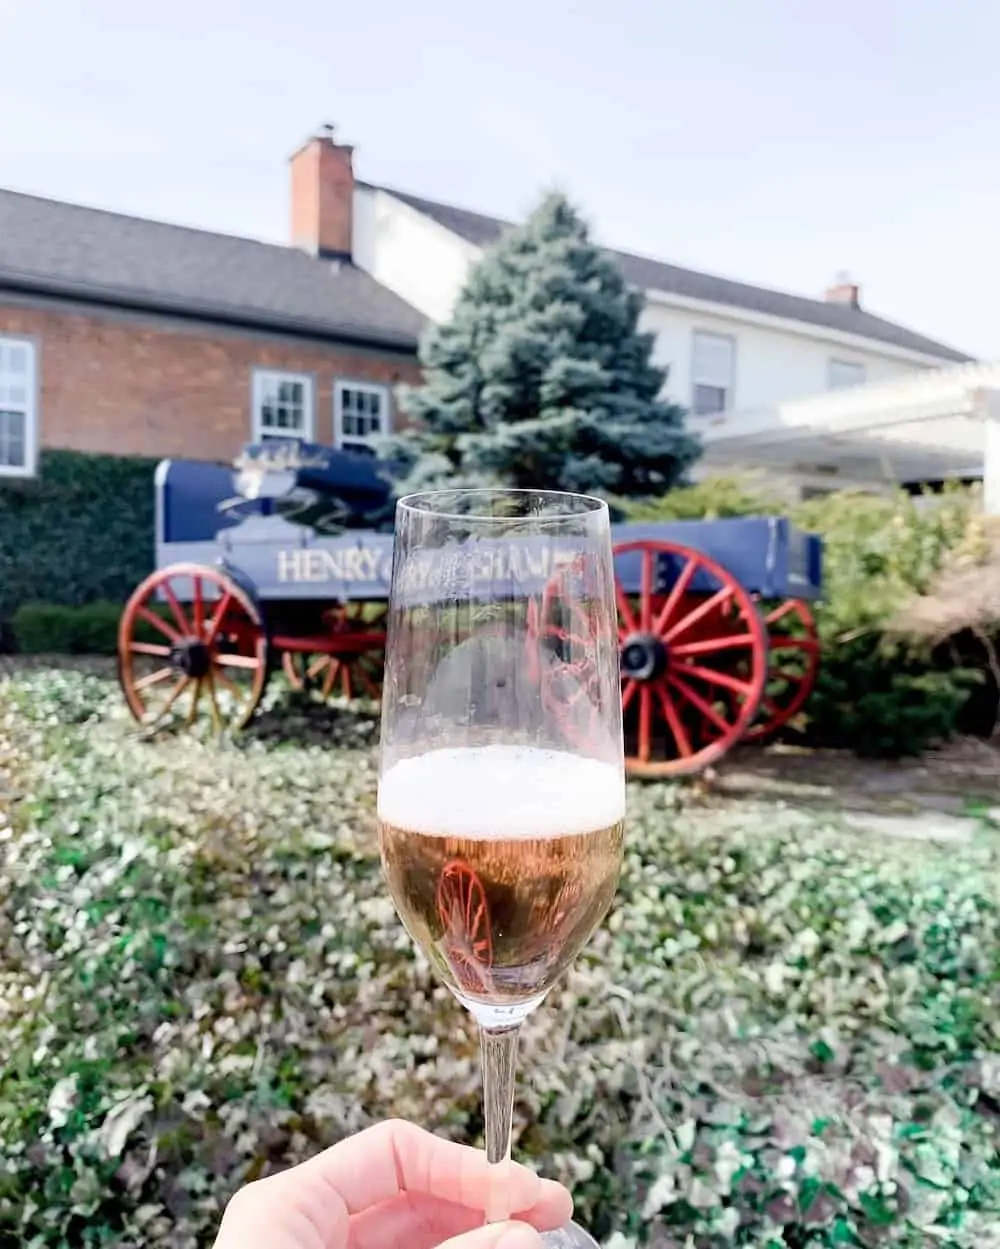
point(793, 663)
point(354, 665)
point(192, 646)
point(465, 918)
point(693, 658)
point(561, 652)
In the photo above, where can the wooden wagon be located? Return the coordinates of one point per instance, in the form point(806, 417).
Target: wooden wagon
point(272, 565)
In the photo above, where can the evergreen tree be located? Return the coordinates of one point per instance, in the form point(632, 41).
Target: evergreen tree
point(541, 378)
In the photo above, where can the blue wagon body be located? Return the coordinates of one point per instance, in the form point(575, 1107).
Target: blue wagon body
point(201, 519)
point(284, 558)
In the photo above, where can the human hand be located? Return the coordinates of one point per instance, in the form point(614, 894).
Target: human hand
point(392, 1185)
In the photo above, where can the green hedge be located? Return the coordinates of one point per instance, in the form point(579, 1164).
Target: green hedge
point(80, 532)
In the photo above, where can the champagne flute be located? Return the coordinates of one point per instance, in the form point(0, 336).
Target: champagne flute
point(501, 801)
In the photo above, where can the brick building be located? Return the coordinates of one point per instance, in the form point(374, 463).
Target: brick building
point(136, 337)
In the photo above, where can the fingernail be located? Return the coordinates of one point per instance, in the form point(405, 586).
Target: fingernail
point(519, 1236)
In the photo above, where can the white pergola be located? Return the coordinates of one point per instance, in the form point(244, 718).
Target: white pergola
point(944, 423)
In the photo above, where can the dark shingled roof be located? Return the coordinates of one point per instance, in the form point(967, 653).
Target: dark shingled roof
point(49, 247)
point(656, 275)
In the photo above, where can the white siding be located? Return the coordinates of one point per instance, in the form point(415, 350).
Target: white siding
point(774, 362)
point(409, 253)
point(772, 365)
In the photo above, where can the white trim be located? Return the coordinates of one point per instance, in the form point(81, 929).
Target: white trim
point(372, 388)
point(805, 329)
point(30, 408)
point(308, 382)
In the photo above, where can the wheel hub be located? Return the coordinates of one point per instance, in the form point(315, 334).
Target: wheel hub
point(643, 657)
point(192, 657)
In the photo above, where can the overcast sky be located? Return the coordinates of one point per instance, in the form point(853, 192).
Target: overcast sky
point(778, 141)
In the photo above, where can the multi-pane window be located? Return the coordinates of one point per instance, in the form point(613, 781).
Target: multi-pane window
point(360, 414)
point(842, 373)
point(283, 405)
point(713, 360)
point(18, 433)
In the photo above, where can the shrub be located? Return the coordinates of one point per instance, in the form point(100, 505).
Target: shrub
point(81, 531)
point(875, 693)
point(52, 629)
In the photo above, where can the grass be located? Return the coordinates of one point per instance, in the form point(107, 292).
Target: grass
point(786, 1034)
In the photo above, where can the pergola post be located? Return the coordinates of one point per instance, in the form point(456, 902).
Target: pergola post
point(990, 400)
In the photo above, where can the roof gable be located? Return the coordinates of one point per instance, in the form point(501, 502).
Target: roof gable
point(657, 275)
point(89, 253)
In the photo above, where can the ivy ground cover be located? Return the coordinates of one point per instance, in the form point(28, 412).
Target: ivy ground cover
point(787, 1034)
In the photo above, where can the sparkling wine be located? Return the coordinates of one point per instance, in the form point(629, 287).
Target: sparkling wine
point(501, 861)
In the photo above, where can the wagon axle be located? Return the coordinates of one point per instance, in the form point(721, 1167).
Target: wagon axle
point(643, 657)
point(192, 657)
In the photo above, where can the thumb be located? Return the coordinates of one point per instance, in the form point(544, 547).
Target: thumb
point(497, 1236)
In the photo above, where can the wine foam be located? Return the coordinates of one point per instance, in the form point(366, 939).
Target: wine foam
point(501, 792)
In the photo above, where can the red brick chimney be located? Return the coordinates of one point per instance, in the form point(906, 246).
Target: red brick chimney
point(844, 291)
point(323, 196)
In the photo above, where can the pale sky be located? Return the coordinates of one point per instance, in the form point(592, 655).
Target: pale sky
point(777, 141)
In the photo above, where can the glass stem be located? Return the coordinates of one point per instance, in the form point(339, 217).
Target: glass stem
point(499, 1049)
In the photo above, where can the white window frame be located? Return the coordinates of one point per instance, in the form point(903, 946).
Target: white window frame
point(347, 383)
point(28, 406)
point(728, 385)
point(263, 378)
point(838, 362)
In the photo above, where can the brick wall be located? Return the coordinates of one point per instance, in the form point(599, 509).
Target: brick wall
point(142, 386)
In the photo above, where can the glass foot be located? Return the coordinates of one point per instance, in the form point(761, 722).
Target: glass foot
point(572, 1236)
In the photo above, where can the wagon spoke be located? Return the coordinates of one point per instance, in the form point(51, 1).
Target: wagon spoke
point(154, 678)
point(628, 693)
point(151, 618)
point(702, 704)
point(781, 611)
point(226, 681)
point(193, 709)
point(217, 618)
point(198, 608)
point(719, 678)
point(229, 659)
point(176, 609)
point(213, 703)
point(709, 645)
point(149, 648)
point(624, 608)
point(809, 645)
point(345, 681)
point(172, 697)
point(331, 677)
point(646, 591)
point(700, 612)
point(645, 725)
point(677, 591)
point(674, 722)
point(316, 667)
point(367, 684)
